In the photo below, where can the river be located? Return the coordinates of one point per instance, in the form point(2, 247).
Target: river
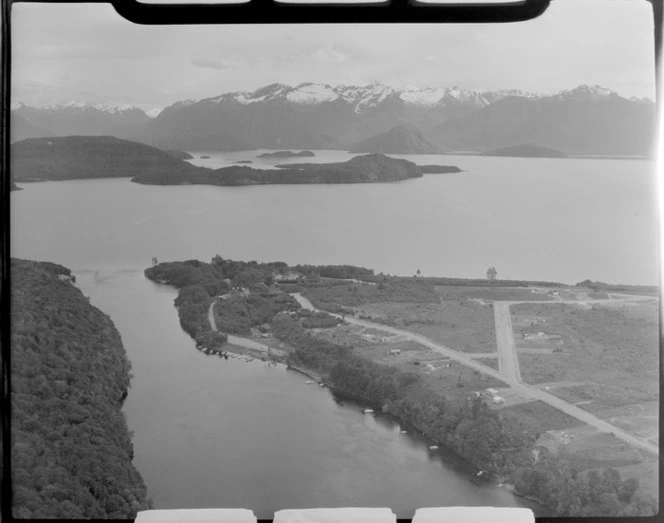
point(210, 432)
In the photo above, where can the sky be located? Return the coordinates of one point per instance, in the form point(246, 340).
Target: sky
point(87, 52)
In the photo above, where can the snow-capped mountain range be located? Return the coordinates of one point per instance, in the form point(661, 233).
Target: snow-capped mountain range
point(316, 116)
point(368, 96)
point(360, 97)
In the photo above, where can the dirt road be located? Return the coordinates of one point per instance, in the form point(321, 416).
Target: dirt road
point(526, 389)
point(508, 361)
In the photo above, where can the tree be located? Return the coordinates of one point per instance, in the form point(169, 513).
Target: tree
point(491, 273)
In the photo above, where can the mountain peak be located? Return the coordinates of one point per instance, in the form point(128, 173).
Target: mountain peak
point(586, 91)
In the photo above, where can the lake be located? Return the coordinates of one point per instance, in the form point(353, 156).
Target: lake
point(210, 432)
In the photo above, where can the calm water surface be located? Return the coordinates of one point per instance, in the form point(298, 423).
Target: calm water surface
point(211, 432)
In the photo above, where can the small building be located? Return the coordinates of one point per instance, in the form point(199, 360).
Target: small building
point(430, 367)
point(289, 277)
point(395, 352)
point(498, 400)
point(492, 392)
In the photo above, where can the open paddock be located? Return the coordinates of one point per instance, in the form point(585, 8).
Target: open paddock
point(451, 293)
point(538, 417)
point(611, 353)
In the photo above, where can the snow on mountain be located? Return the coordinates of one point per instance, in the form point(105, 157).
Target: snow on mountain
point(153, 113)
point(364, 97)
point(586, 92)
point(106, 107)
point(310, 94)
point(433, 96)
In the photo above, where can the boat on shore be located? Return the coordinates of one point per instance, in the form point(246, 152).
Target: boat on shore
point(368, 411)
point(433, 447)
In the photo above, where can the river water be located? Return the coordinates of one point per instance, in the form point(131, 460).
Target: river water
point(210, 432)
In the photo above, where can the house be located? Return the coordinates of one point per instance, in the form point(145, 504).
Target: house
point(498, 400)
point(289, 277)
point(430, 367)
point(395, 352)
point(492, 392)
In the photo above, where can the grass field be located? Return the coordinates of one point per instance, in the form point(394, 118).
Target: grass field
point(448, 381)
point(449, 293)
point(539, 417)
point(611, 351)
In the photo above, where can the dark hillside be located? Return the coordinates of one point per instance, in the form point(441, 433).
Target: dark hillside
point(72, 157)
point(402, 139)
point(71, 450)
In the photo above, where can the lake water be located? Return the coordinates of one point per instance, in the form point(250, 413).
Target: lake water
point(210, 432)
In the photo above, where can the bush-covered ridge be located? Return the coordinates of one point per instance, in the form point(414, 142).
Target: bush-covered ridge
point(71, 450)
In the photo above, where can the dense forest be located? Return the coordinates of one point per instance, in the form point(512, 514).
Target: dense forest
point(71, 450)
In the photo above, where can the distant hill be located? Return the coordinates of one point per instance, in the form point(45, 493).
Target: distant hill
point(71, 450)
point(85, 119)
point(180, 155)
point(585, 120)
point(20, 129)
point(71, 157)
point(526, 150)
point(371, 168)
point(402, 139)
point(286, 154)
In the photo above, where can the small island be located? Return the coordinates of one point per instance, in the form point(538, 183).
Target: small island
point(526, 150)
point(286, 154)
point(205, 157)
point(244, 161)
point(180, 155)
point(439, 169)
point(14, 187)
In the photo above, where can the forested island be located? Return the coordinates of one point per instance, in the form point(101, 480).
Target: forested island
point(526, 150)
point(256, 296)
point(286, 154)
point(71, 450)
point(371, 168)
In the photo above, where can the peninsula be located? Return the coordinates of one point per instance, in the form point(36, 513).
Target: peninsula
point(526, 150)
point(76, 157)
point(180, 155)
point(440, 354)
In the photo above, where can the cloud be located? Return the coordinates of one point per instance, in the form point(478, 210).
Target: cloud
point(219, 64)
